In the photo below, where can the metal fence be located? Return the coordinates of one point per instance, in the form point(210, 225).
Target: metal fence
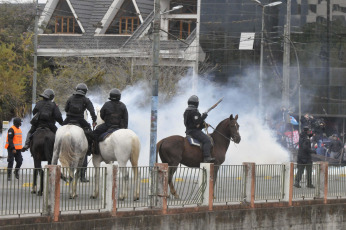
point(336, 181)
point(190, 184)
point(304, 191)
point(143, 196)
point(269, 182)
point(16, 195)
point(229, 184)
point(84, 191)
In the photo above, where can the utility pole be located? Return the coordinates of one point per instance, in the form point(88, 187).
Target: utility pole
point(286, 59)
point(155, 82)
point(35, 61)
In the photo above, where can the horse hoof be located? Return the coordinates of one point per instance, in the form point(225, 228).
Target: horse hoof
point(136, 198)
point(40, 194)
point(93, 197)
point(33, 192)
point(121, 198)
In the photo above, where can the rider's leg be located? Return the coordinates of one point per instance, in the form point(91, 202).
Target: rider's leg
point(206, 145)
point(28, 138)
point(96, 134)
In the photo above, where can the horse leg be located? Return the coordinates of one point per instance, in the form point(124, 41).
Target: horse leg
point(216, 170)
point(34, 184)
point(40, 192)
point(73, 184)
point(124, 175)
point(136, 181)
point(96, 162)
point(171, 172)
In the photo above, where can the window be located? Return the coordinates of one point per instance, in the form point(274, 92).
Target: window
point(65, 25)
point(127, 25)
point(62, 21)
point(181, 28)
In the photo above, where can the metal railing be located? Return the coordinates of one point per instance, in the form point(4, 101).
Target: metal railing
point(304, 191)
point(190, 184)
point(229, 184)
point(139, 193)
point(84, 191)
point(269, 182)
point(336, 181)
point(17, 197)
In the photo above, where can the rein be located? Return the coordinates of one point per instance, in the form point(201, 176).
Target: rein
point(230, 139)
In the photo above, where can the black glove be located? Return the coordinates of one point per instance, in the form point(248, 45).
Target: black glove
point(204, 115)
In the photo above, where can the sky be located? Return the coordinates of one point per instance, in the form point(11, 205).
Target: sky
point(258, 142)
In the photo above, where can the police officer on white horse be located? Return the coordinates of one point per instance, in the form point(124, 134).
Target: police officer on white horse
point(75, 108)
point(194, 123)
point(115, 115)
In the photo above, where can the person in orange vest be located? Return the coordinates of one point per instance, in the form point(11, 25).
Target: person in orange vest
point(14, 148)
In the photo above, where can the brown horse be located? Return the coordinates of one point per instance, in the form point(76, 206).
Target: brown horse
point(176, 150)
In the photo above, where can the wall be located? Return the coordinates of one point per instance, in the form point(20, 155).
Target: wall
point(303, 215)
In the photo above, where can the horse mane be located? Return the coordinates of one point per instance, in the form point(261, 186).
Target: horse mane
point(221, 123)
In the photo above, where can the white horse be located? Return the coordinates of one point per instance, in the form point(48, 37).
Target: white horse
point(122, 145)
point(70, 147)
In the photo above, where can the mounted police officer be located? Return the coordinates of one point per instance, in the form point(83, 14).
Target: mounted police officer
point(14, 147)
point(46, 113)
point(115, 115)
point(76, 106)
point(304, 158)
point(194, 123)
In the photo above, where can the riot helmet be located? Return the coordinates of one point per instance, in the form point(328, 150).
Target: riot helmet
point(193, 100)
point(81, 89)
point(48, 94)
point(17, 121)
point(114, 95)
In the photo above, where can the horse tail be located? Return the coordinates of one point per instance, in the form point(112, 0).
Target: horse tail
point(158, 148)
point(135, 151)
point(66, 153)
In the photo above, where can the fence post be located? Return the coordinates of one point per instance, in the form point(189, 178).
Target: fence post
point(288, 183)
point(323, 178)
point(250, 182)
point(52, 188)
point(208, 193)
point(111, 188)
point(162, 186)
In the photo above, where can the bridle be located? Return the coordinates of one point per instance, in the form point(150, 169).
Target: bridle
point(230, 139)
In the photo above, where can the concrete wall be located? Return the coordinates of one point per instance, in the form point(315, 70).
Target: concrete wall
point(272, 216)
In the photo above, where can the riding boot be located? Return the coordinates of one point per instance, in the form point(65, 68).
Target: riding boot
point(96, 148)
point(27, 142)
point(83, 176)
point(9, 176)
point(16, 173)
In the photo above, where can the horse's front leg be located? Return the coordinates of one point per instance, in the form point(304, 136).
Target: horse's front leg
point(74, 180)
point(40, 192)
point(97, 178)
point(96, 162)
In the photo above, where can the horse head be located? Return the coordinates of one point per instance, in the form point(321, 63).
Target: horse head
point(234, 129)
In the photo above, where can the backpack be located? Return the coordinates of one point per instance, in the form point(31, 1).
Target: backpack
point(46, 112)
point(76, 105)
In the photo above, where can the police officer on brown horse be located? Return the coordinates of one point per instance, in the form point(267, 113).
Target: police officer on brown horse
point(115, 115)
point(46, 113)
point(194, 122)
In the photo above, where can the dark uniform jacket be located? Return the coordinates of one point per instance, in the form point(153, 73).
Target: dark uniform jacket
point(335, 145)
point(304, 151)
point(77, 104)
point(114, 113)
point(47, 112)
point(193, 120)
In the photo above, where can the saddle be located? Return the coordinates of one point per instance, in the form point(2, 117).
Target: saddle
point(195, 142)
point(111, 130)
point(74, 122)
